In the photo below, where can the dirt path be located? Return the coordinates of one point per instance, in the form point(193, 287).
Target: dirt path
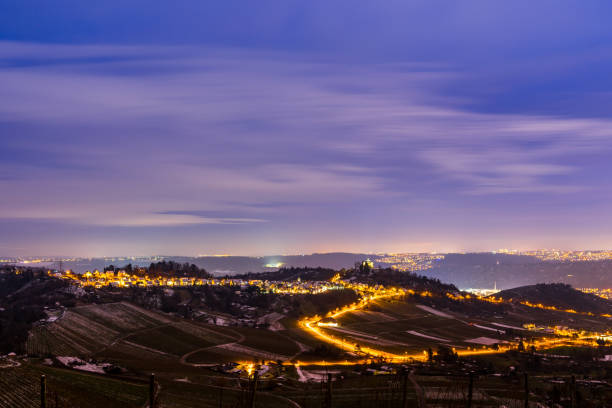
point(145, 348)
point(303, 348)
point(237, 347)
point(125, 336)
point(240, 336)
point(257, 353)
point(184, 357)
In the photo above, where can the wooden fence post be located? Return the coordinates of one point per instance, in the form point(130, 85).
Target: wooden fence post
point(152, 391)
point(404, 387)
point(43, 391)
point(526, 391)
point(328, 392)
point(470, 391)
point(251, 402)
point(573, 393)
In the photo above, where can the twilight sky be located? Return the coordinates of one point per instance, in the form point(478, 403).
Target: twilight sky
point(261, 127)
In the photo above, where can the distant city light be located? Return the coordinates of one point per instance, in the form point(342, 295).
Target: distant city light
point(274, 265)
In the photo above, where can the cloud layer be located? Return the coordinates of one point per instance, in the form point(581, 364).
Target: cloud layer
point(137, 137)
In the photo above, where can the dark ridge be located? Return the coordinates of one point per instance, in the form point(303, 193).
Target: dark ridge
point(292, 274)
point(164, 269)
point(392, 277)
point(559, 295)
point(508, 271)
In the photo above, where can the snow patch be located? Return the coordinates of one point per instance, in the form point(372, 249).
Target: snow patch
point(415, 333)
point(318, 375)
point(78, 364)
point(434, 311)
point(507, 326)
point(272, 319)
point(488, 328)
point(484, 340)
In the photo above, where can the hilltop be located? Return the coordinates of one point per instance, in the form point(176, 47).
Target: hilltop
point(559, 295)
point(291, 274)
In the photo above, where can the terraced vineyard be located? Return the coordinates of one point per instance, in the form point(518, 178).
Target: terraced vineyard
point(220, 393)
point(406, 326)
point(183, 354)
point(146, 341)
point(21, 389)
point(88, 330)
point(372, 391)
point(403, 327)
point(175, 340)
point(269, 341)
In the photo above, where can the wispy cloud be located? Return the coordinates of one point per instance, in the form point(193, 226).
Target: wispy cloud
point(203, 128)
point(501, 171)
point(165, 220)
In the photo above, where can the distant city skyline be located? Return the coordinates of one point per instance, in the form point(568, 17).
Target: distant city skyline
point(300, 127)
point(539, 252)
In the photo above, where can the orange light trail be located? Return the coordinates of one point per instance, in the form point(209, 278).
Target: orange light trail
point(371, 294)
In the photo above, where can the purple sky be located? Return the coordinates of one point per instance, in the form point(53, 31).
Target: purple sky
point(134, 128)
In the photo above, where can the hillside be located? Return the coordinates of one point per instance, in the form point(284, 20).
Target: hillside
point(483, 270)
point(195, 361)
point(24, 298)
point(559, 295)
point(86, 330)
